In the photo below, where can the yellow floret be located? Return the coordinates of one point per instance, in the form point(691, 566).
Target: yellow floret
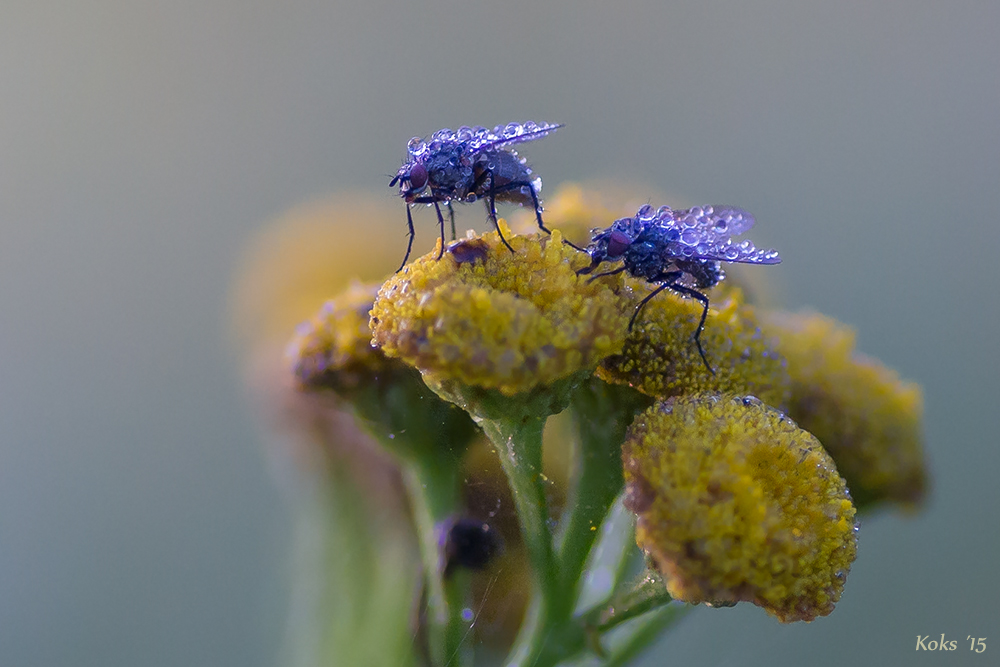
point(660, 357)
point(865, 416)
point(736, 503)
point(486, 317)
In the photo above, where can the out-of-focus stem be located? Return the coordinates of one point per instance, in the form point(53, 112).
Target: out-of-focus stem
point(434, 497)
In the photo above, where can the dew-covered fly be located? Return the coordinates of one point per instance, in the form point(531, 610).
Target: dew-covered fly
point(469, 164)
point(680, 250)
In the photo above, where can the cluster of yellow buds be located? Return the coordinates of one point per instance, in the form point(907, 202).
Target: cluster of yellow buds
point(744, 478)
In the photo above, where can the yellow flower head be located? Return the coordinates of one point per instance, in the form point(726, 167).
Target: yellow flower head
point(736, 503)
point(333, 349)
point(486, 317)
point(660, 357)
point(865, 416)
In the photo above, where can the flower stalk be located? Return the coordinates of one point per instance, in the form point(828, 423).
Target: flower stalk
point(514, 425)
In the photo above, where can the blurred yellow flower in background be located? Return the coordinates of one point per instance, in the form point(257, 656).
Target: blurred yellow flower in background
point(863, 413)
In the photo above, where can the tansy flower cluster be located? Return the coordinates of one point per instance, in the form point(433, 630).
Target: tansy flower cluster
point(743, 478)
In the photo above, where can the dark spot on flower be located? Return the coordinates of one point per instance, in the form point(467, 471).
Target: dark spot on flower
point(469, 251)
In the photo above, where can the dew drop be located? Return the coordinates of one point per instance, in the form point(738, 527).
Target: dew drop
point(690, 237)
point(416, 146)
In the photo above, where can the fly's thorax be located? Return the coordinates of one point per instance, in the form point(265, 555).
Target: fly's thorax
point(645, 259)
point(449, 172)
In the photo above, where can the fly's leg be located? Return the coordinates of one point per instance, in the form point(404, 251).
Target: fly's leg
point(698, 296)
point(588, 269)
point(429, 199)
point(516, 185)
point(642, 303)
point(491, 203)
point(441, 224)
point(451, 216)
point(409, 245)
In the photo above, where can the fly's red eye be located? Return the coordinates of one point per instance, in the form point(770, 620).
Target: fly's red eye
point(418, 177)
point(618, 242)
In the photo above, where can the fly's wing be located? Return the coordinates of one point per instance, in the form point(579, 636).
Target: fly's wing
point(716, 221)
point(744, 252)
point(512, 133)
point(705, 232)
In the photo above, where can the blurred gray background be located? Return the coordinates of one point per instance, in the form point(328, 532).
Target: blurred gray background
point(142, 144)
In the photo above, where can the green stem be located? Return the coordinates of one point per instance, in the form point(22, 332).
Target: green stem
point(649, 594)
point(519, 445)
point(548, 633)
point(609, 560)
point(603, 413)
point(428, 436)
point(434, 497)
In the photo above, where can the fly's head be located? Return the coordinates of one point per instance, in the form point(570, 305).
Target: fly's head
point(412, 178)
point(611, 243)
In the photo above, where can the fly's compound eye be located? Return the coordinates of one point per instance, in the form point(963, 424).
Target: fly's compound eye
point(618, 243)
point(418, 177)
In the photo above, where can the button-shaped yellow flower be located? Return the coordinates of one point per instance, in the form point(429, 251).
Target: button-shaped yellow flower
point(737, 503)
point(333, 349)
point(660, 357)
point(865, 416)
point(486, 317)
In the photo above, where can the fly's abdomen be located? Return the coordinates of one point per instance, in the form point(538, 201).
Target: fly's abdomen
point(510, 176)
